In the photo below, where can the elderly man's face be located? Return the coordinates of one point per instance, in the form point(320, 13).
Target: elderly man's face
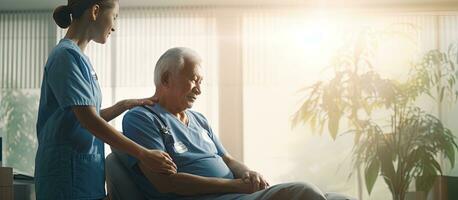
point(186, 84)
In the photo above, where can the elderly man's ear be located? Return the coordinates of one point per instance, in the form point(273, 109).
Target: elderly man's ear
point(165, 79)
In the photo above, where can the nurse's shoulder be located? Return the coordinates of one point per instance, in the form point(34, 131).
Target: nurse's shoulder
point(64, 51)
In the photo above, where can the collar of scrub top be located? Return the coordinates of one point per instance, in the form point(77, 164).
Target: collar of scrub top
point(165, 130)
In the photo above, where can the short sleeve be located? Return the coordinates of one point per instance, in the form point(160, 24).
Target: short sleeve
point(140, 128)
point(70, 80)
point(219, 146)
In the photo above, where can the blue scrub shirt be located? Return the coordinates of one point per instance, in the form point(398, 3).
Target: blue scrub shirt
point(194, 148)
point(70, 162)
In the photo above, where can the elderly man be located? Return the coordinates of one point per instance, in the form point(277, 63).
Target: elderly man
point(205, 169)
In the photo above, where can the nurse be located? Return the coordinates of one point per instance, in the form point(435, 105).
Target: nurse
point(71, 127)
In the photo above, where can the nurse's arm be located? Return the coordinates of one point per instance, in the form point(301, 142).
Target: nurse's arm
point(157, 160)
point(112, 112)
point(189, 184)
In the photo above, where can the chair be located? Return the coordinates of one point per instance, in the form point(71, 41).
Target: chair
point(120, 185)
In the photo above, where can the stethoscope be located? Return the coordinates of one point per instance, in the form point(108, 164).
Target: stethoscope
point(163, 128)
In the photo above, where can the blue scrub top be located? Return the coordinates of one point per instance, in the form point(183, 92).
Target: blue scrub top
point(194, 148)
point(70, 161)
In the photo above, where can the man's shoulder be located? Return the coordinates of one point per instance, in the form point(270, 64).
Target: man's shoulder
point(138, 116)
point(135, 112)
point(139, 120)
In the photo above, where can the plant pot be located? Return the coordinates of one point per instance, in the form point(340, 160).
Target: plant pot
point(419, 195)
point(444, 188)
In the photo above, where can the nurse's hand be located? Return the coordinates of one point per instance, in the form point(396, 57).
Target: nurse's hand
point(130, 103)
point(158, 161)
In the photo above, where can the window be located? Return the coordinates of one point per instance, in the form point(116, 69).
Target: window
point(285, 51)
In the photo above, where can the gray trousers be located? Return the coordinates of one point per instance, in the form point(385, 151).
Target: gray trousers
point(121, 187)
point(285, 191)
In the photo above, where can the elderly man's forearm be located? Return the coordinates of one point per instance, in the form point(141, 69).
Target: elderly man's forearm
point(236, 167)
point(189, 184)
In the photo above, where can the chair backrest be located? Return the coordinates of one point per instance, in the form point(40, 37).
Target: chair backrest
point(120, 185)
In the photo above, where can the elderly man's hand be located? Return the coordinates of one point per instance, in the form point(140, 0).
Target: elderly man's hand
point(256, 180)
point(242, 187)
point(130, 103)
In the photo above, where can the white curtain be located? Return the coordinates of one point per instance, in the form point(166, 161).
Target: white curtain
point(25, 39)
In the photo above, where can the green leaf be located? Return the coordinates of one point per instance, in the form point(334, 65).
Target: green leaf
point(424, 183)
point(387, 166)
point(371, 174)
point(435, 166)
point(426, 180)
point(441, 97)
point(333, 125)
point(357, 137)
point(450, 153)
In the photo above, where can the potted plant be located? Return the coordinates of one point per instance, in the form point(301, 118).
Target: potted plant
point(403, 149)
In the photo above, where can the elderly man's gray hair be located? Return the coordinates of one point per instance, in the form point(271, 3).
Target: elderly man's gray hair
point(173, 61)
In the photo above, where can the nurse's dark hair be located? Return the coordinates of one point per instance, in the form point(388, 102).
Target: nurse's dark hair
point(63, 15)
